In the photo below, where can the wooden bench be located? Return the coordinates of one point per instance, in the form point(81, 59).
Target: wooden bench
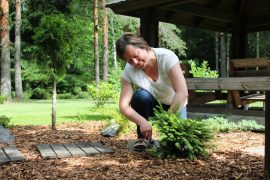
point(249, 67)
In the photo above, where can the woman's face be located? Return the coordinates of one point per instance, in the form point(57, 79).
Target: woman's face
point(136, 57)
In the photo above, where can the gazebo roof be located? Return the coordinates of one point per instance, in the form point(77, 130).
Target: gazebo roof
point(217, 15)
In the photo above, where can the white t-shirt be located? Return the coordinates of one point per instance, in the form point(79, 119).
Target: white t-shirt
point(161, 89)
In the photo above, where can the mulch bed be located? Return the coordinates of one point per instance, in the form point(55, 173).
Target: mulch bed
point(227, 161)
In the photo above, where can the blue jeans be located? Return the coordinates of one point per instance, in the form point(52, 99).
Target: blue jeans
point(144, 103)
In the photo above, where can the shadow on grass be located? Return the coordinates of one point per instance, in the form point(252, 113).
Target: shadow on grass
point(88, 117)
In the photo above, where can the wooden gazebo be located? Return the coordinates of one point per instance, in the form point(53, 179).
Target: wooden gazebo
point(238, 17)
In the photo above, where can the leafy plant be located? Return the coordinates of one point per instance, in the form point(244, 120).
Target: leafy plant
point(181, 137)
point(101, 92)
point(220, 124)
point(2, 99)
point(202, 70)
point(116, 116)
point(4, 121)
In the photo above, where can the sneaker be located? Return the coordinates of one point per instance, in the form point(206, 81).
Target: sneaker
point(140, 145)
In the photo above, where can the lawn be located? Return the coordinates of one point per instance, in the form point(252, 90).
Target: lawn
point(38, 112)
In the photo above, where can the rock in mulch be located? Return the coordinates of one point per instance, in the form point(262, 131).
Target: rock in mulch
point(5, 136)
point(111, 130)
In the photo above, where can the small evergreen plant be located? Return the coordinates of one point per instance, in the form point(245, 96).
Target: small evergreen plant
point(5, 121)
point(181, 137)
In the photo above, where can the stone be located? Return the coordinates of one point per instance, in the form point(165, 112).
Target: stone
point(5, 136)
point(111, 130)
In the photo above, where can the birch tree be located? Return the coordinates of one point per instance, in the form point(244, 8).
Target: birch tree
point(96, 54)
point(18, 71)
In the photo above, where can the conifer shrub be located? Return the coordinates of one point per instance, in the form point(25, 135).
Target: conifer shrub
point(181, 137)
point(5, 121)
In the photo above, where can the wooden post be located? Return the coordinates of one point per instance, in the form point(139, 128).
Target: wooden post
point(267, 136)
point(149, 26)
point(239, 41)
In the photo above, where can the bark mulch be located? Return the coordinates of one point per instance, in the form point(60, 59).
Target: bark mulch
point(227, 161)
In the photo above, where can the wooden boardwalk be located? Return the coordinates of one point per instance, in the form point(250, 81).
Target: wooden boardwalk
point(10, 154)
point(77, 149)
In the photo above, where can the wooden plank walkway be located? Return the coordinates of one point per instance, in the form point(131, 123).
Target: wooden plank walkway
point(10, 154)
point(77, 149)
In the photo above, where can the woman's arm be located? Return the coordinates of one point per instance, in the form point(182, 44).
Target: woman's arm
point(180, 87)
point(129, 112)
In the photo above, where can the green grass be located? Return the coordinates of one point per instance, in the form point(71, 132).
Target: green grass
point(38, 112)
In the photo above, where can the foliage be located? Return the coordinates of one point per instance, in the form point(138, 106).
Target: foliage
point(170, 38)
point(40, 93)
point(65, 96)
point(5, 121)
point(200, 44)
point(101, 92)
point(220, 124)
point(181, 137)
point(116, 116)
point(54, 39)
point(2, 99)
point(264, 44)
point(115, 80)
point(202, 70)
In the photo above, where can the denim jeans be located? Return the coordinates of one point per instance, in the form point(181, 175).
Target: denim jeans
point(144, 103)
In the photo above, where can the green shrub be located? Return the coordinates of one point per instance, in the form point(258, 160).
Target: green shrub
point(39, 93)
point(2, 99)
point(116, 116)
point(202, 70)
point(101, 92)
point(83, 95)
point(66, 96)
point(181, 137)
point(220, 124)
point(4, 121)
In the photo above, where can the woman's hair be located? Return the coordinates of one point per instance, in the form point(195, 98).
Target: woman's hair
point(129, 38)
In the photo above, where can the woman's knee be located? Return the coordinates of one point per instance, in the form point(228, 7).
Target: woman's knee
point(142, 96)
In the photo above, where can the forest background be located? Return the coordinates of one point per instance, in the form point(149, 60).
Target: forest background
point(72, 41)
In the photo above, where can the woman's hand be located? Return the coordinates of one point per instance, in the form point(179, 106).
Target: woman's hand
point(146, 130)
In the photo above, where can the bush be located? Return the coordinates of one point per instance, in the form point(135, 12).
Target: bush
point(83, 95)
point(2, 99)
point(181, 137)
point(101, 92)
point(4, 121)
point(202, 71)
point(39, 93)
point(65, 96)
point(220, 124)
point(116, 116)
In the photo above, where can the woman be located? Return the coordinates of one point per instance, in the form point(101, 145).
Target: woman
point(157, 76)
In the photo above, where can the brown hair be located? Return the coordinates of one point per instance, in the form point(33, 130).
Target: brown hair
point(129, 38)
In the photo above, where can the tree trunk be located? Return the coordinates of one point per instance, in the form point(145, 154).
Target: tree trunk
point(96, 40)
point(267, 136)
point(105, 40)
point(54, 106)
point(217, 50)
point(223, 64)
point(113, 44)
point(5, 52)
point(18, 71)
point(228, 38)
point(258, 44)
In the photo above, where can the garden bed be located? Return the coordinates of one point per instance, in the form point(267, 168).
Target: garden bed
point(227, 161)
